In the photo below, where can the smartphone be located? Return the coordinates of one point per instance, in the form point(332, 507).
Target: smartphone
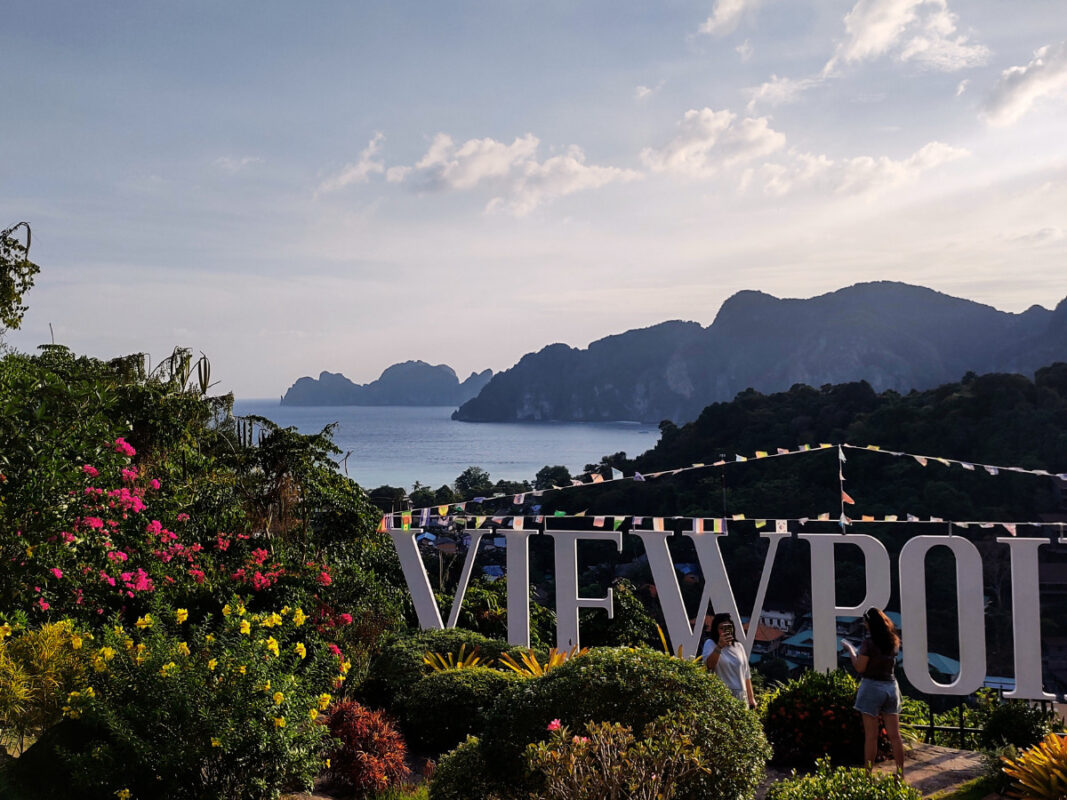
point(727, 629)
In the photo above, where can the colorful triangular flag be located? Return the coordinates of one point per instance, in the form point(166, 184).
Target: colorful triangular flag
point(846, 499)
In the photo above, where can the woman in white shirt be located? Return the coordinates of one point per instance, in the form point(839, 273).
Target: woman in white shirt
point(726, 657)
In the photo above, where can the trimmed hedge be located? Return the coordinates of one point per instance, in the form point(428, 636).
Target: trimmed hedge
point(444, 708)
point(842, 783)
point(398, 667)
point(632, 687)
point(461, 775)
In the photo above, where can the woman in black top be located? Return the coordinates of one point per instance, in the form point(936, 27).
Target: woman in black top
point(878, 693)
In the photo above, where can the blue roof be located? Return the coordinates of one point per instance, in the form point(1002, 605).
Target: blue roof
point(799, 640)
point(944, 664)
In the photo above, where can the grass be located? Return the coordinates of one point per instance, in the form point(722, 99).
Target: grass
point(974, 789)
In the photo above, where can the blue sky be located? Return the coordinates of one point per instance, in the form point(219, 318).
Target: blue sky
point(297, 187)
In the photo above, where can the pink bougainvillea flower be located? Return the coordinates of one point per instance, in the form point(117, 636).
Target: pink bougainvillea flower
point(183, 517)
point(345, 619)
point(90, 470)
point(335, 649)
point(93, 522)
point(325, 579)
point(155, 484)
point(57, 572)
point(129, 474)
point(124, 447)
point(554, 725)
point(44, 606)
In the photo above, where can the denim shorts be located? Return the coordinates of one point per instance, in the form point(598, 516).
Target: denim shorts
point(877, 697)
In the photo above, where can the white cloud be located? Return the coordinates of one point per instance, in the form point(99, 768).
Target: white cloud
point(359, 172)
point(962, 87)
point(708, 141)
point(519, 181)
point(1020, 87)
point(641, 92)
point(862, 175)
point(726, 15)
point(923, 31)
point(778, 91)
point(235, 165)
point(744, 50)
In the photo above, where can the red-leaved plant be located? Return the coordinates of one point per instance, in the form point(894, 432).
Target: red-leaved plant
point(371, 755)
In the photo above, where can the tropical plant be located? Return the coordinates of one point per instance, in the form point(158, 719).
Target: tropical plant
point(529, 665)
point(370, 756)
point(1018, 724)
point(441, 662)
point(1040, 772)
point(609, 762)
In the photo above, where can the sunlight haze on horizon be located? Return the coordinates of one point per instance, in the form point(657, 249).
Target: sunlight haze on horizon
point(295, 188)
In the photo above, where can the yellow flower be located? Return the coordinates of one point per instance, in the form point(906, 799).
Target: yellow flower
point(313, 714)
point(327, 763)
point(215, 742)
point(119, 631)
point(272, 621)
point(76, 642)
point(29, 552)
point(301, 650)
point(144, 622)
point(183, 648)
point(107, 653)
point(182, 615)
point(212, 664)
point(241, 609)
point(226, 610)
point(246, 628)
point(90, 691)
point(299, 617)
point(168, 669)
point(99, 664)
point(272, 645)
point(324, 701)
point(279, 722)
point(278, 698)
point(242, 669)
point(345, 667)
point(128, 643)
point(123, 794)
point(285, 610)
point(5, 630)
point(210, 638)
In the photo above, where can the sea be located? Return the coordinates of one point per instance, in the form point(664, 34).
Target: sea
point(399, 445)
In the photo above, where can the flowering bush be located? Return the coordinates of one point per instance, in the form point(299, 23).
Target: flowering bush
point(179, 707)
point(812, 717)
point(609, 762)
point(371, 755)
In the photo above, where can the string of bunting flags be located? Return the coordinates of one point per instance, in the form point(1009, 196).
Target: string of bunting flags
point(450, 513)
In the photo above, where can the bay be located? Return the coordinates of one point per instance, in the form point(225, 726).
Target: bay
point(398, 445)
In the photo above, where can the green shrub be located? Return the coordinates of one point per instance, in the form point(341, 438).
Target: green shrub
point(445, 707)
point(461, 774)
point(1016, 723)
point(812, 717)
point(842, 783)
point(631, 687)
point(610, 762)
point(399, 666)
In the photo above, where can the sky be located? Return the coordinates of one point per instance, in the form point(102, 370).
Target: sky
point(297, 187)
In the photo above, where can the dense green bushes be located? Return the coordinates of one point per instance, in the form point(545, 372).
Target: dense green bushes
point(842, 783)
point(632, 687)
point(446, 707)
point(461, 774)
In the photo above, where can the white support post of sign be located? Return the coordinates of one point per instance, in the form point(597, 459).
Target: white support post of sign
point(824, 608)
point(518, 582)
point(970, 602)
point(565, 544)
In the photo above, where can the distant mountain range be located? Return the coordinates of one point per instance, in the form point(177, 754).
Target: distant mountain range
point(413, 383)
point(893, 335)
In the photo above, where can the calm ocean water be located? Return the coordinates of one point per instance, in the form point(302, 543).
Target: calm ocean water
point(400, 445)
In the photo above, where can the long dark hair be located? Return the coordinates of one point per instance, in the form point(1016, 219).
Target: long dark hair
point(883, 632)
point(718, 620)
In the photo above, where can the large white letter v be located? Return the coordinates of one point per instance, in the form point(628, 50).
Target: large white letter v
point(407, 550)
